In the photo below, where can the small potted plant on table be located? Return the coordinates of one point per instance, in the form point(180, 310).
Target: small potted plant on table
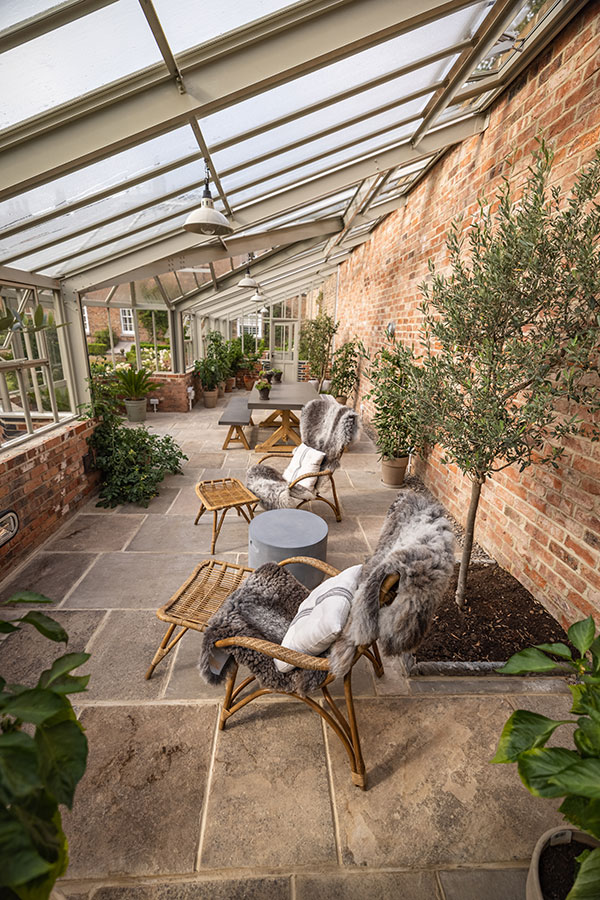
point(264, 388)
point(134, 387)
point(344, 372)
point(208, 371)
point(572, 854)
point(277, 373)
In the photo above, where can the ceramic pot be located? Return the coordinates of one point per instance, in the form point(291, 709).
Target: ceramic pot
point(392, 470)
point(277, 377)
point(264, 393)
point(221, 388)
point(136, 410)
point(342, 398)
point(210, 398)
point(268, 376)
point(554, 836)
point(229, 385)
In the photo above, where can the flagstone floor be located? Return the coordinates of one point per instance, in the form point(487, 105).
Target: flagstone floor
point(172, 808)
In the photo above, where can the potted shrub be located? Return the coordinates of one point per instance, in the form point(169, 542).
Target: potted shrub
point(344, 372)
point(392, 373)
point(43, 755)
point(266, 376)
point(316, 338)
point(235, 356)
point(134, 387)
point(264, 388)
point(208, 371)
point(572, 773)
point(277, 373)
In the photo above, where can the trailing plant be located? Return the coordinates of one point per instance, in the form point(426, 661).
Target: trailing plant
point(135, 385)
point(344, 371)
point(316, 339)
point(132, 462)
point(208, 371)
point(573, 774)
point(43, 755)
point(511, 333)
point(393, 375)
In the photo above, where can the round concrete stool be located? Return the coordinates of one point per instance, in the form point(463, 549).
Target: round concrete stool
point(280, 533)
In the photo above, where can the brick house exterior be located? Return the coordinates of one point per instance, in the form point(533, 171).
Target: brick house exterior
point(542, 525)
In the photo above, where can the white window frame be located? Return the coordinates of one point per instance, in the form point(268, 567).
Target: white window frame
point(126, 315)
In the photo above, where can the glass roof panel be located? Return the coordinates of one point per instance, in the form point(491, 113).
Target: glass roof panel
point(187, 23)
point(523, 25)
point(345, 74)
point(86, 182)
point(325, 206)
point(326, 118)
point(14, 11)
point(58, 66)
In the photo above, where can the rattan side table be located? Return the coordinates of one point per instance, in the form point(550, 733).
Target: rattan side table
point(219, 496)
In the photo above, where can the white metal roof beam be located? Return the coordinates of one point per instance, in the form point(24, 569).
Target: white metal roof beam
point(162, 42)
point(367, 191)
point(217, 80)
point(17, 276)
point(46, 21)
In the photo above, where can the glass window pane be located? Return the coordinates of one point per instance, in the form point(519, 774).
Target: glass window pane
point(77, 58)
point(14, 11)
point(100, 176)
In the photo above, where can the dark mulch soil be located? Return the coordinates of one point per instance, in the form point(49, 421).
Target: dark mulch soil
point(500, 617)
point(557, 869)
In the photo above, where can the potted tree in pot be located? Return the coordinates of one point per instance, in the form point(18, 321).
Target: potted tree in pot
point(393, 373)
point(134, 387)
point(207, 370)
point(572, 854)
point(235, 356)
point(344, 372)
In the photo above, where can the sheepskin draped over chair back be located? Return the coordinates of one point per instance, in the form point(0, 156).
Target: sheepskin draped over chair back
point(417, 545)
point(328, 426)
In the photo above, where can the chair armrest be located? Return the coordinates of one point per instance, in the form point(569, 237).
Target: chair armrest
point(310, 475)
point(276, 651)
point(309, 561)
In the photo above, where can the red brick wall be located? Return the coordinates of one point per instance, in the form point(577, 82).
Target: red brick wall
point(97, 322)
point(173, 391)
point(44, 482)
point(542, 525)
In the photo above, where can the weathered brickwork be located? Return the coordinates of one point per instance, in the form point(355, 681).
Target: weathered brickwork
point(542, 525)
point(44, 482)
point(97, 322)
point(172, 393)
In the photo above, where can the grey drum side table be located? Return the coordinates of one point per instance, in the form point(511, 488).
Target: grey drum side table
point(281, 533)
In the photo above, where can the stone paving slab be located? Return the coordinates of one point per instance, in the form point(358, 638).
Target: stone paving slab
point(157, 506)
point(185, 681)
point(484, 884)
point(132, 580)
point(369, 886)
point(121, 655)
point(137, 809)
point(209, 889)
point(433, 794)
point(180, 535)
point(26, 653)
point(97, 533)
point(51, 574)
point(269, 802)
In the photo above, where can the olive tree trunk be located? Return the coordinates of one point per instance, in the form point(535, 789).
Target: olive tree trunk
point(461, 587)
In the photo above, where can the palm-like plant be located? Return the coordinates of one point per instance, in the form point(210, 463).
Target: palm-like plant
point(135, 384)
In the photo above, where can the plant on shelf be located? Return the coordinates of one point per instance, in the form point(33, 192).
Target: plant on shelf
point(131, 461)
point(344, 371)
point(134, 385)
point(511, 332)
point(571, 773)
point(43, 755)
point(393, 375)
point(316, 339)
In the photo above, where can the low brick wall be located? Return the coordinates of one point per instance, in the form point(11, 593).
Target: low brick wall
point(172, 392)
point(44, 482)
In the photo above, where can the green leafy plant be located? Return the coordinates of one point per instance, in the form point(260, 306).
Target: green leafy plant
point(216, 350)
point(135, 384)
point(316, 339)
point(161, 317)
point(277, 371)
point(263, 385)
point(95, 348)
point(511, 332)
point(208, 371)
point(235, 355)
point(37, 321)
point(43, 755)
point(344, 371)
point(561, 771)
point(102, 336)
point(393, 375)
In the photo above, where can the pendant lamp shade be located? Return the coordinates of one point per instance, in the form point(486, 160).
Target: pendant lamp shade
point(248, 281)
point(257, 296)
point(207, 219)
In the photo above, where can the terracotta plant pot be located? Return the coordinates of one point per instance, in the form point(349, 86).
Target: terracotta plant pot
point(239, 378)
point(342, 398)
point(210, 398)
point(221, 387)
point(136, 410)
point(249, 382)
point(229, 385)
point(392, 470)
point(264, 393)
point(553, 837)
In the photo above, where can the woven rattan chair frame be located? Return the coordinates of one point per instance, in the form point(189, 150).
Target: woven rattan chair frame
point(326, 473)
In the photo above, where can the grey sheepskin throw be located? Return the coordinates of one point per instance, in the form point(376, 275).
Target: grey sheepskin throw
point(262, 607)
point(417, 543)
point(325, 425)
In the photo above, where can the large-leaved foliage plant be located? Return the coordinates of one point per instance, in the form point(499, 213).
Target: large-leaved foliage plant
point(43, 755)
point(511, 331)
point(572, 773)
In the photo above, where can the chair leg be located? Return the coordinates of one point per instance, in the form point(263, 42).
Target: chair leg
point(228, 693)
point(200, 511)
point(164, 648)
point(359, 775)
point(373, 654)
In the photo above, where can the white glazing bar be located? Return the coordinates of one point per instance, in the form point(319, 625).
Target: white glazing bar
point(110, 337)
point(52, 395)
point(136, 327)
point(4, 394)
point(33, 373)
point(24, 400)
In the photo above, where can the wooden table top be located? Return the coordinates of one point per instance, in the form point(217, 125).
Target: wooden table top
point(284, 396)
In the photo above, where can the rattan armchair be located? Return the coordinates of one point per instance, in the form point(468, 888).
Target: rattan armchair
point(325, 478)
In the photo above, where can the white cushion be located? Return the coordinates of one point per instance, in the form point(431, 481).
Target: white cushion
point(321, 617)
point(304, 461)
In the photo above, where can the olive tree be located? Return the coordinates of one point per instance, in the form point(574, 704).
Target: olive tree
point(511, 331)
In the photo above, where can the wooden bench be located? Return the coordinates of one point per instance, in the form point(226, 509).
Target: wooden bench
point(236, 414)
